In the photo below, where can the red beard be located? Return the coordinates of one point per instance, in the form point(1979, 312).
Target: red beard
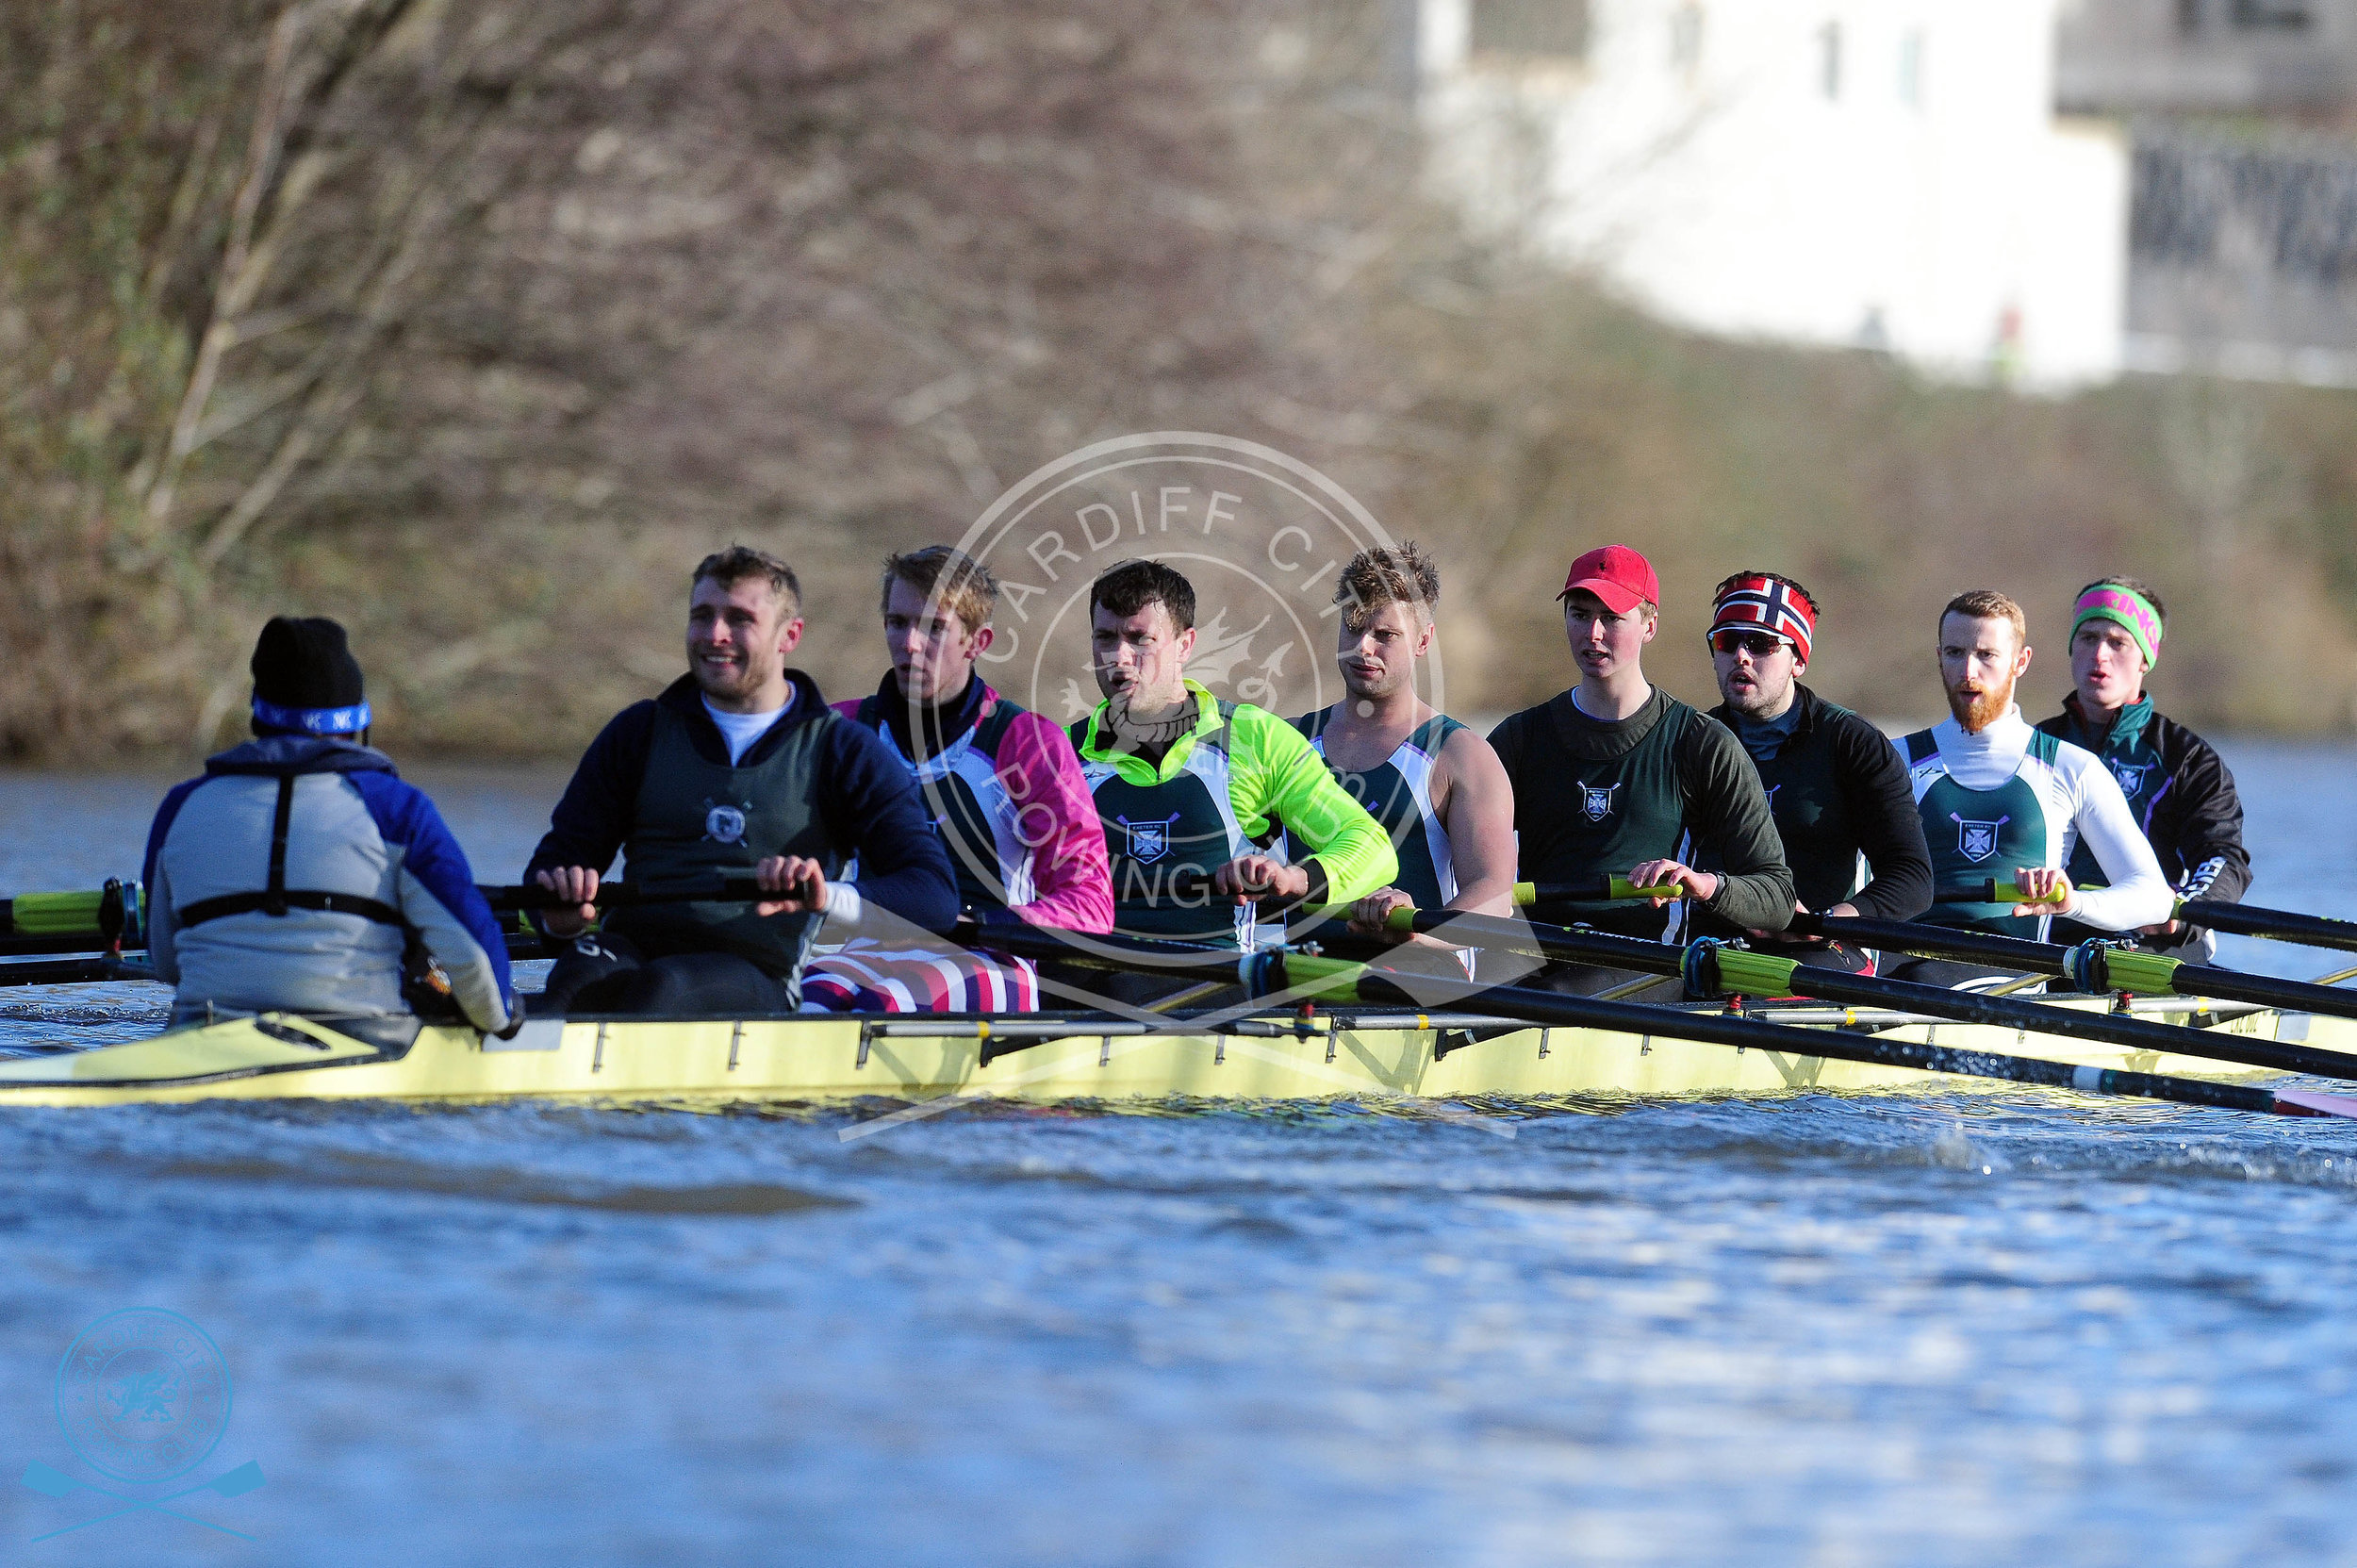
point(1977, 711)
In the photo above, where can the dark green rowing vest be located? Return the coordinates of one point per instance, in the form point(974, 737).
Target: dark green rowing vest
point(2135, 762)
point(1812, 816)
point(1978, 834)
point(1589, 803)
point(1156, 832)
point(695, 818)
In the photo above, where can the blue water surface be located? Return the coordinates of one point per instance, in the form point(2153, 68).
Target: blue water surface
point(1945, 1328)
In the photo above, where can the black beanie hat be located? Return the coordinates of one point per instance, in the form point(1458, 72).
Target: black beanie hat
point(306, 678)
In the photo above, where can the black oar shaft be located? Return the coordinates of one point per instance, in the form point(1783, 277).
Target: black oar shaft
point(1973, 1007)
point(1547, 1008)
point(2314, 931)
point(2098, 968)
point(1768, 974)
point(1974, 946)
point(614, 895)
point(71, 971)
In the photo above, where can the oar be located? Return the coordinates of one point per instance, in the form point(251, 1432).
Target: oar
point(55, 1483)
point(1990, 892)
point(1591, 890)
point(515, 897)
point(2098, 966)
point(1340, 979)
point(1961, 943)
point(73, 972)
point(1712, 968)
point(2281, 925)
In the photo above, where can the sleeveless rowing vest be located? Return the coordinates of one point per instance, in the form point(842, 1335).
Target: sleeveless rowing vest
point(1978, 834)
point(1157, 833)
point(695, 818)
point(1397, 793)
point(2134, 762)
point(1589, 805)
point(979, 823)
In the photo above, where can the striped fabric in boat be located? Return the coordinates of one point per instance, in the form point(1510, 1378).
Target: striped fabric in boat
point(864, 977)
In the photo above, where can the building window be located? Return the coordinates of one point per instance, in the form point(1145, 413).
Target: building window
point(1686, 36)
point(2288, 15)
point(1829, 60)
point(1537, 29)
point(1911, 68)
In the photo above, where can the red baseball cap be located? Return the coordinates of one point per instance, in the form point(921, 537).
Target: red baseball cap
point(1616, 574)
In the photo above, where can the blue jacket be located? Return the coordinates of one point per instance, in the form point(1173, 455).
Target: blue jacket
point(354, 830)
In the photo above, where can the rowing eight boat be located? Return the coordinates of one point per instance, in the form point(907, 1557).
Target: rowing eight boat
point(811, 1059)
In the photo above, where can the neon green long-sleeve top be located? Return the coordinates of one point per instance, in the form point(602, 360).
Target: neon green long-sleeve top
point(1220, 791)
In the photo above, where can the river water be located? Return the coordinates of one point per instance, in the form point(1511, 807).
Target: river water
point(1945, 1329)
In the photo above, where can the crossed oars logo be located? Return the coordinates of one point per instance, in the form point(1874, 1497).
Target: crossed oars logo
point(143, 1397)
point(56, 1483)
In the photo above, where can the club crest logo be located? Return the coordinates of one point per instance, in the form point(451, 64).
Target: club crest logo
point(725, 824)
point(2131, 775)
point(1976, 841)
point(1596, 800)
point(1149, 841)
point(143, 1397)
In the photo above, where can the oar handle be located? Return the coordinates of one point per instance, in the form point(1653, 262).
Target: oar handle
point(614, 895)
point(1611, 889)
point(1990, 892)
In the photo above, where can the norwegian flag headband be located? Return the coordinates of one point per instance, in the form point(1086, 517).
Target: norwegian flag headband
point(1758, 603)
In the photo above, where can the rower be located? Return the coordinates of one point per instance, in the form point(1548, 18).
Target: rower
point(1002, 785)
point(2178, 788)
point(300, 875)
point(2000, 800)
point(1434, 785)
point(1002, 782)
point(738, 766)
point(1839, 795)
point(1188, 784)
point(1615, 776)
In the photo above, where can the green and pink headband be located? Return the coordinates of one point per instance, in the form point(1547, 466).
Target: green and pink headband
point(2131, 609)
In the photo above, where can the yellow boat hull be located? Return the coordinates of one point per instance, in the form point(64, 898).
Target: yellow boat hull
point(822, 1059)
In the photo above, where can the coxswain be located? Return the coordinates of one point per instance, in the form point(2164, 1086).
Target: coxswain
point(737, 768)
point(301, 875)
point(1433, 786)
point(1616, 777)
point(1840, 798)
point(2002, 802)
point(1001, 783)
point(2178, 788)
point(1190, 785)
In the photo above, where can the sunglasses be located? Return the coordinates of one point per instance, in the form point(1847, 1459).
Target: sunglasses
point(1757, 644)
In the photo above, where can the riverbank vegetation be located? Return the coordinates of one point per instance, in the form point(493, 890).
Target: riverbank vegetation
point(475, 322)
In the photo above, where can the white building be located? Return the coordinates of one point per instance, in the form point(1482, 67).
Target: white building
point(1883, 174)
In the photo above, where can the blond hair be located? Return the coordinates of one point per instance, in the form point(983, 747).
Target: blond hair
point(942, 573)
point(1387, 575)
point(1988, 604)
